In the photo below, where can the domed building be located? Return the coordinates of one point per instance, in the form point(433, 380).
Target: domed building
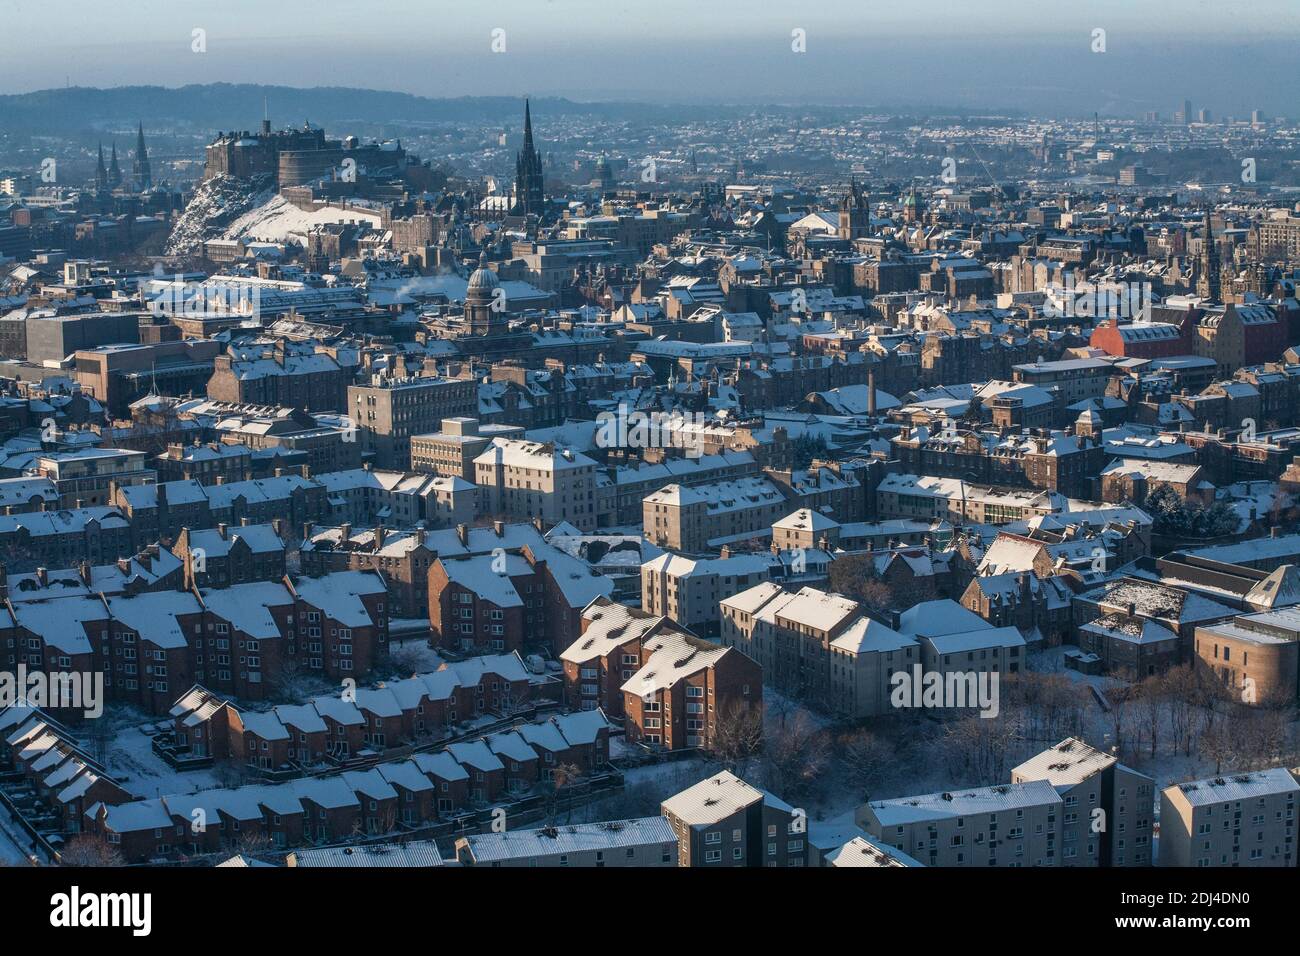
point(913, 207)
point(485, 307)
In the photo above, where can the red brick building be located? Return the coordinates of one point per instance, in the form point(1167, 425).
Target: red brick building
point(685, 688)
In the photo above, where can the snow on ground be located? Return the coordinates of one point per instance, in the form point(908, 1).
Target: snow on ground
point(1051, 660)
point(414, 657)
point(279, 220)
point(779, 709)
point(669, 773)
point(131, 761)
point(11, 841)
point(215, 203)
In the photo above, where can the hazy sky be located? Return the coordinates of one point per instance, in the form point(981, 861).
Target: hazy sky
point(1232, 55)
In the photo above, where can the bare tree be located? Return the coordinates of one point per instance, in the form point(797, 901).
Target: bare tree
point(406, 659)
point(1150, 701)
point(864, 756)
point(563, 777)
point(856, 577)
point(1265, 736)
point(86, 849)
point(738, 737)
point(1221, 742)
point(984, 748)
point(1185, 696)
point(254, 843)
point(1121, 712)
point(795, 753)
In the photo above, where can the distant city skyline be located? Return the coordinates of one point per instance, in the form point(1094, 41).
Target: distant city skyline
point(1003, 54)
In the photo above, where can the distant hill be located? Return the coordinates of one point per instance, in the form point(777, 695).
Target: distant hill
point(239, 106)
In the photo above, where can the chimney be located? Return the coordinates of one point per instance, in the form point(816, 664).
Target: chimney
point(306, 530)
point(537, 523)
point(43, 577)
point(499, 527)
point(306, 471)
point(379, 536)
point(419, 536)
point(871, 391)
point(84, 570)
point(220, 479)
point(345, 533)
point(221, 529)
point(243, 522)
point(462, 532)
point(277, 524)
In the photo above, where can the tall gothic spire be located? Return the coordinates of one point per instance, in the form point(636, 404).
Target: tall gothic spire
point(101, 173)
point(140, 167)
point(529, 194)
point(114, 170)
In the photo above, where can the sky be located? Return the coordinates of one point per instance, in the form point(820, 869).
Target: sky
point(1021, 54)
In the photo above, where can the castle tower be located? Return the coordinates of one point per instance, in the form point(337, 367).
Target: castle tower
point(529, 196)
point(140, 166)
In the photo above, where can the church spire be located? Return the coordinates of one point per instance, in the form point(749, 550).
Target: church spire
point(529, 197)
point(140, 167)
point(101, 173)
